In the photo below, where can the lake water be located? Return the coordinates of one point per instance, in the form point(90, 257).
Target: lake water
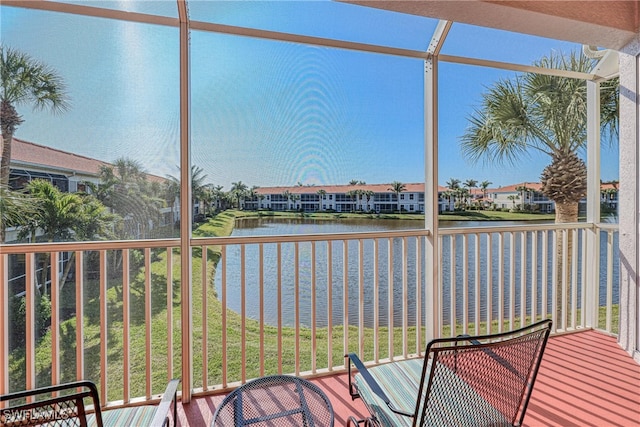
point(286, 307)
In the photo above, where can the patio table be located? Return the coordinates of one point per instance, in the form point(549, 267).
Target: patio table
point(277, 400)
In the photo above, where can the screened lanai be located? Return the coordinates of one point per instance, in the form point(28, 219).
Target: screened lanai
point(310, 94)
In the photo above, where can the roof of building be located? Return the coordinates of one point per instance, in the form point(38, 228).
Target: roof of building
point(516, 188)
point(339, 189)
point(25, 153)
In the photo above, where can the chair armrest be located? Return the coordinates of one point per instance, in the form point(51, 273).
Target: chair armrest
point(161, 417)
point(373, 384)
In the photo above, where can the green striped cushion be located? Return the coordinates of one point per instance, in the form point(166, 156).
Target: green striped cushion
point(135, 416)
point(453, 402)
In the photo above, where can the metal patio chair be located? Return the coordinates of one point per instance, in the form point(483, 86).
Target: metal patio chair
point(463, 381)
point(77, 404)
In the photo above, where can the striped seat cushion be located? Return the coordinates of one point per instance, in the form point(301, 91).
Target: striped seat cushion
point(452, 403)
point(135, 416)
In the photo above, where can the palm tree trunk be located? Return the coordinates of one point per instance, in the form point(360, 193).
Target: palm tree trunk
point(566, 212)
point(4, 172)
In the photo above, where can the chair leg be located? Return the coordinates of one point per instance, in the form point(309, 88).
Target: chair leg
point(352, 421)
point(367, 422)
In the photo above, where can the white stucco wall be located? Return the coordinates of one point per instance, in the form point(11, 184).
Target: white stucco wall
point(629, 335)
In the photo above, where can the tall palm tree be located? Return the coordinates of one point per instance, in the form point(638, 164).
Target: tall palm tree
point(524, 190)
point(24, 80)
point(484, 185)
point(547, 114)
point(397, 187)
point(470, 184)
point(238, 191)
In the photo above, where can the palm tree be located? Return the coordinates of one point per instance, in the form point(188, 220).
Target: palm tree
point(470, 184)
point(453, 184)
point(547, 114)
point(524, 190)
point(23, 80)
point(397, 187)
point(484, 185)
point(238, 191)
point(368, 194)
point(64, 217)
point(353, 195)
point(198, 187)
point(15, 207)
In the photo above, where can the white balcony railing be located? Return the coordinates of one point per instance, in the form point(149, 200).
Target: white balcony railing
point(285, 304)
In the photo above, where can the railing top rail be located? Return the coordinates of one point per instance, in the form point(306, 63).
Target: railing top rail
point(24, 248)
point(320, 237)
point(518, 228)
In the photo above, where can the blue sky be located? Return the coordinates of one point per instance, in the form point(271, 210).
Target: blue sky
point(264, 112)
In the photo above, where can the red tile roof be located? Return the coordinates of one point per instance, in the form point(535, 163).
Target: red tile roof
point(28, 153)
point(332, 189)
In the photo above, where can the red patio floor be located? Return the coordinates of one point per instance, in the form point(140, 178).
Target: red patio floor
point(585, 380)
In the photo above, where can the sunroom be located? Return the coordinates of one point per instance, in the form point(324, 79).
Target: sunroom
point(313, 94)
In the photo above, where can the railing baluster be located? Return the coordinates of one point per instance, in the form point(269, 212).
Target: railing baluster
point(330, 305)
point(554, 281)
point(345, 297)
point(55, 319)
point(205, 323)
point(169, 313)
point(583, 299)
point(223, 315)
point(501, 270)
point(314, 319)
point(376, 302)
point(79, 315)
point(279, 306)
point(103, 325)
point(534, 276)
point(523, 278)
point(489, 272)
point(147, 315)
point(261, 303)
point(544, 280)
point(512, 279)
point(405, 300)
point(452, 285)
point(360, 297)
point(390, 342)
point(30, 333)
point(418, 321)
point(465, 283)
point(243, 314)
point(609, 309)
point(477, 284)
point(565, 274)
point(296, 305)
point(126, 322)
point(574, 277)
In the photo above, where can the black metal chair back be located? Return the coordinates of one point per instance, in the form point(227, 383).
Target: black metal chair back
point(55, 406)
